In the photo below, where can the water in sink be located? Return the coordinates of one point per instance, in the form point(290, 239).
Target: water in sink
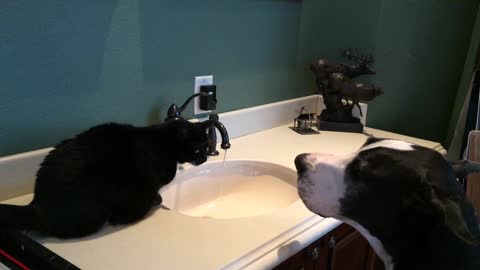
point(250, 196)
point(224, 157)
point(231, 189)
point(222, 182)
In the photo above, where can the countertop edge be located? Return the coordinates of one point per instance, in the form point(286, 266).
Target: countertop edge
point(291, 245)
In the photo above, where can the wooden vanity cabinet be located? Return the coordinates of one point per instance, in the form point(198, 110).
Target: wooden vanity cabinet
point(342, 249)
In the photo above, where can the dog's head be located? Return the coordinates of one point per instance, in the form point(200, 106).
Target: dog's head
point(383, 184)
point(189, 141)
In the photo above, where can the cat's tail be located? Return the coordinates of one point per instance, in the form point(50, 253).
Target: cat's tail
point(18, 217)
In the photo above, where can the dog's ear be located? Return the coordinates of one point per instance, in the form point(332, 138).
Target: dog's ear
point(432, 203)
point(453, 216)
point(462, 168)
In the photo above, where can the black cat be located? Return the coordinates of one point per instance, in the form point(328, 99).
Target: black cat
point(109, 173)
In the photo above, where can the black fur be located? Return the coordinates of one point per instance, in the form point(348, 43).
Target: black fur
point(109, 173)
point(400, 198)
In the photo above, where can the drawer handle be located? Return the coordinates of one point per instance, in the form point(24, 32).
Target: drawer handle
point(332, 242)
point(315, 253)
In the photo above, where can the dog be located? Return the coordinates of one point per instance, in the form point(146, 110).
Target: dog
point(110, 173)
point(403, 198)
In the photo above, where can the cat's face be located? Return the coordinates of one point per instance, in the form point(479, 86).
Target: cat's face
point(191, 143)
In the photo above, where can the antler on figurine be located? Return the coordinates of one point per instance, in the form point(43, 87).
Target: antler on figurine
point(354, 55)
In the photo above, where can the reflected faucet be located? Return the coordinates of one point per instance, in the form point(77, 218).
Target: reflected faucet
point(208, 103)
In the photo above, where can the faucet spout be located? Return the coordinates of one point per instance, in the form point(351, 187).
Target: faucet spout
point(211, 124)
point(224, 134)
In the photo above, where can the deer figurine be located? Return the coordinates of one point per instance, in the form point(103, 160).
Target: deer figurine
point(340, 92)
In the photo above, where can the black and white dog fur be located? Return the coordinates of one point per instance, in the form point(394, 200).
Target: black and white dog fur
point(403, 198)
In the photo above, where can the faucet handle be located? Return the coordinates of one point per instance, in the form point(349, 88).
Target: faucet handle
point(213, 116)
point(173, 113)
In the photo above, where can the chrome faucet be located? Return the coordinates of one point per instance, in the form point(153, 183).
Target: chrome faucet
point(208, 103)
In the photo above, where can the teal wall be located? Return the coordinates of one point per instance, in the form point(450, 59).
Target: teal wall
point(67, 66)
point(420, 48)
point(329, 26)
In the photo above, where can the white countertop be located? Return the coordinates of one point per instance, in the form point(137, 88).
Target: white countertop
point(170, 240)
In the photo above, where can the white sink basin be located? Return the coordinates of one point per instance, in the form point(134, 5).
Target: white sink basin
point(233, 189)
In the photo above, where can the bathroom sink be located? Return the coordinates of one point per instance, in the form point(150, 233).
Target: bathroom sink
point(231, 189)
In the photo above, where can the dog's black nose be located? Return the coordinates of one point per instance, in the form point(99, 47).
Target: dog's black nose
point(300, 163)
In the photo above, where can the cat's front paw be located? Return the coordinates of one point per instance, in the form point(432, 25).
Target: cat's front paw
point(157, 200)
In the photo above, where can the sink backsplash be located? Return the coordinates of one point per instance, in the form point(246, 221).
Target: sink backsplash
point(17, 172)
point(255, 119)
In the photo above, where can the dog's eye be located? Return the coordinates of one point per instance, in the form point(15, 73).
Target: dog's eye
point(196, 151)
